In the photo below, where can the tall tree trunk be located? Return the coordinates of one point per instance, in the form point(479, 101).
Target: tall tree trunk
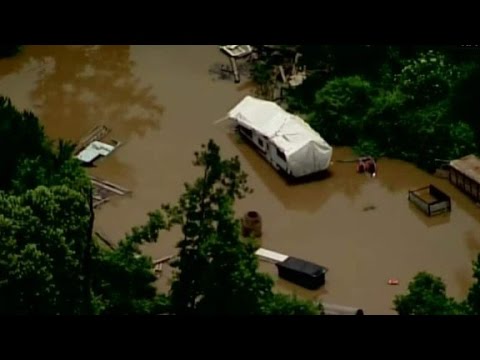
point(87, 260)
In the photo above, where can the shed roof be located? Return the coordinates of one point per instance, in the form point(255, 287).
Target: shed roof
point(468, 165)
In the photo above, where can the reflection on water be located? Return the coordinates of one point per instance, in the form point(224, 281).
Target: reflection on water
point(77, 87)
point(326, 221)
point(429, 221)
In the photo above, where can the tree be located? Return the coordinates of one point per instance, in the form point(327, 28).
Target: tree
point(9, 50)
point(123, 278)
point(473, 298)
point(281, 304)
point(428, 78)
point(56, 167)
point(216, 269)
point(261, 74)
point(427, 296)
point(42, 251)
point(22, 137)
point(339, 109)
point(465, 98)
point(50, 263)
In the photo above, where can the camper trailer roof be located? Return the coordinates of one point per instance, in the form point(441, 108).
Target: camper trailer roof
point(289, 132)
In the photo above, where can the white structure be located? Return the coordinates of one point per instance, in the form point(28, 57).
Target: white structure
point(237, 51)
point(269, 255)
point(93, 151)
point(284, 139)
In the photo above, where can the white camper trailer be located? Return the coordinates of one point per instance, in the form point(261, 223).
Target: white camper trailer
point(284, 139)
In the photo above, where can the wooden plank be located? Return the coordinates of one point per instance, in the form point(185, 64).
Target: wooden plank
point(110, 184)
point(270, 255)
point(162, 260)
point(107, 187)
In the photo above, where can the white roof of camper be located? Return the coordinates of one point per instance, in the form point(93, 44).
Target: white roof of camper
point(289, 132)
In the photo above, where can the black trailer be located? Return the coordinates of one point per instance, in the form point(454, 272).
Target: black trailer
point(301, 272)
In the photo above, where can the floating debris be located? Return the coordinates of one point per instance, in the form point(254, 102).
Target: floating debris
point(369, 207)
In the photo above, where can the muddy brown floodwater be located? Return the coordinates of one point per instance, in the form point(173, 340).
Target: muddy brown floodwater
point(162, 102)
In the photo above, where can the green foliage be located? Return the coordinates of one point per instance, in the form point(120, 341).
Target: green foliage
point(49, 263)
point(383, 122)
point(466, 97)
point(427, 78)
point(9, 50)
point(280, 304)
point(473, 299)
point(462, 140)
point(42, 246)
point(339, 109)
point(261, 74)
point(216, 271)
point(427, 296)
point(22, 137)
point(123, 278)
point(56, 167)
point(420, 105)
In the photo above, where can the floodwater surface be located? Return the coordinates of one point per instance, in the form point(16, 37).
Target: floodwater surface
point(163, 102)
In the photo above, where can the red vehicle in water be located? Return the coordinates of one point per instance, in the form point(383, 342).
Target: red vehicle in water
point(367, 164)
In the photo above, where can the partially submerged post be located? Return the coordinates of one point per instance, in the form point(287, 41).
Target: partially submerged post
point(235, 52)
point(233, 64)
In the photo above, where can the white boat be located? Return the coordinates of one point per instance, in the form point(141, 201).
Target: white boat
point(237, 51)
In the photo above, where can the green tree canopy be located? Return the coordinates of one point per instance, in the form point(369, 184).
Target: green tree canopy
point(42, 249)
point(427, 296)
point(216, 269)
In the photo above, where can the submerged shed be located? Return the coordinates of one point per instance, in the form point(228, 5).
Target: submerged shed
point(465, 174)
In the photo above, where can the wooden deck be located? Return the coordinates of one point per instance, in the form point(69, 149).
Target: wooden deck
point(103, 190)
